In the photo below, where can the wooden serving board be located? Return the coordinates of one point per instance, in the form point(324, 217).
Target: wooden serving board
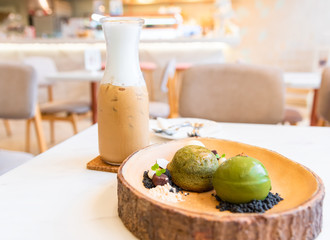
point(298, 216)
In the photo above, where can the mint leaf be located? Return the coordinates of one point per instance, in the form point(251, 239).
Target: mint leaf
point(155, 167)
point(217, 155)
point(223, 155)
point(160, 172)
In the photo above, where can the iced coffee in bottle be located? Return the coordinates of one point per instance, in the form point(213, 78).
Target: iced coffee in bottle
point(123, 112)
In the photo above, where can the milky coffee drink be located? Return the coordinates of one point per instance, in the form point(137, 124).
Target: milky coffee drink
point(123, 110)
point(123, 118)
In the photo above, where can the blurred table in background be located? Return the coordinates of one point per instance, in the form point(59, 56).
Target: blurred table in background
point(94, 77)
point(305, 80)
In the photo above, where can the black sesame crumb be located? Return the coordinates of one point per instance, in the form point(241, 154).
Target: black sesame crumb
point(173, 185)
point(147, 182)
point(255, 206)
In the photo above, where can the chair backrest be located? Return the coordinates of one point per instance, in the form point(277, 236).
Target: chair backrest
point(169, 72)
point(323, 107)
point(233, 93)
point(43, 66)
point(18, 91)
point(12, 159)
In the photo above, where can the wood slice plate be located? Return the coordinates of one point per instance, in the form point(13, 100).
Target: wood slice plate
point(298, 216)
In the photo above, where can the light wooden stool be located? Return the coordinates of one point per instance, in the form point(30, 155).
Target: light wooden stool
point(174, 86)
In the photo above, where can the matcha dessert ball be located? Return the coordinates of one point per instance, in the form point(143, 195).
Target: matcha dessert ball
point(241, 179)
point(192, 168)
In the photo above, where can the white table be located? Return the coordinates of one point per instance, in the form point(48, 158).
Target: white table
point(54, 196)
point(303, 80)
point(306, 80)
point(81, 75)
point(94, 77)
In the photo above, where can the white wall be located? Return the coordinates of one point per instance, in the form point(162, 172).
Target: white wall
point(285, 33)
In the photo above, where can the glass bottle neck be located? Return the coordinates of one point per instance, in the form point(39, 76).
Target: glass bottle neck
point(122, 64)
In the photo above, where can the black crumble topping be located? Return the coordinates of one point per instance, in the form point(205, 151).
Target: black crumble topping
point(173, 185)
point(147, 182)
point(255, 206)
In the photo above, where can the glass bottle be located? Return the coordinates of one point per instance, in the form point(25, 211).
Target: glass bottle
point(123, 112)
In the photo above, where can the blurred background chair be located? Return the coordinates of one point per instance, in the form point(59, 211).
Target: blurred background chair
point(7, 127)
point(291, 116)
point(43, 66)
point(18, 97)
point(52, 110)
point(233, 93)
point(170, 84)
point(162, 109)
point(148, 69)
point(12, 159)
point(323, 103)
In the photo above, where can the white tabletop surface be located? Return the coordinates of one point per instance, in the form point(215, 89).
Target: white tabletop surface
point(82, 75)
point(54, 196)
point(305, 80)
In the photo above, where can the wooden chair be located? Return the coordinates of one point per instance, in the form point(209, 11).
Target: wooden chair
point(323, 101)
point(18, 97)
point(174, 86)
point(55, 110)
point(291, 116)
point(232, 93)
point(161, 109)
point(7, 127)
point(169, 84)
point(148, 69)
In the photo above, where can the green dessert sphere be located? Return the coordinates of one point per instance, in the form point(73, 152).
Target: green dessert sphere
point(192, 168)
point(241, 179)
